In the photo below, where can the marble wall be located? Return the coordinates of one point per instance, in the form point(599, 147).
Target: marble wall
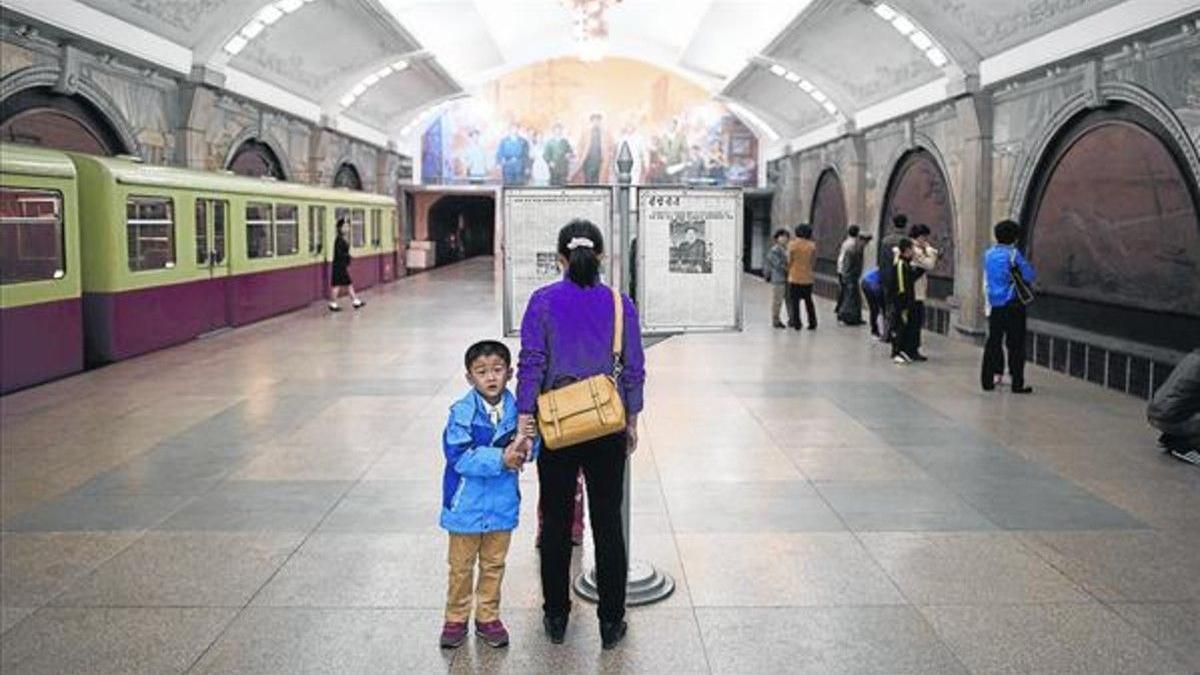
point(172, 121)
point(988, 144)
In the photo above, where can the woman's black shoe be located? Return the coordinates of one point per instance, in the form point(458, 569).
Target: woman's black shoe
point(612, 633)
point(1022, 390)
point(556, 628)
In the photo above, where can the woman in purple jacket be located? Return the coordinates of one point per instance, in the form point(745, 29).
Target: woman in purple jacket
point(566, 335)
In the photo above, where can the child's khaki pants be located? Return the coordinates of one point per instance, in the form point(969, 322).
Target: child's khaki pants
point(491, 549)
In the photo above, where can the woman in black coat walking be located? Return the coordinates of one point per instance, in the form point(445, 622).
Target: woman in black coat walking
point(339, 273)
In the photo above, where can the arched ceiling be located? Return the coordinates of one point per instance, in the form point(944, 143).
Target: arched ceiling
point(797, 67)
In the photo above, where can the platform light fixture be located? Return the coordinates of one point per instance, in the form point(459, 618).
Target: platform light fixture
point(807, 87)
point(266, 16)
point(370, 81)
point(905, 26)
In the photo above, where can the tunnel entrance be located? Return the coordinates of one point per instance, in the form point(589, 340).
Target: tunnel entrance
point(462, 226)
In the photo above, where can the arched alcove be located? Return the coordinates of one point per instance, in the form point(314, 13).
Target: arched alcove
point(1113, 220)
point(255, 158)
point(828, 218)
point(347, 176)
point(918, 189)
point(39, 116)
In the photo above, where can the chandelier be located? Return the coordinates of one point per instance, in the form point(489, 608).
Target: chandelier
point(591, 28)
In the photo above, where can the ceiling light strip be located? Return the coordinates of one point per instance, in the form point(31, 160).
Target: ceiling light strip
point(906, 27)
point(819, 97)
point(266, 16)
point(370, 81)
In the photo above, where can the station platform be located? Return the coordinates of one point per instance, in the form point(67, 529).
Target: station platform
point(265, 501)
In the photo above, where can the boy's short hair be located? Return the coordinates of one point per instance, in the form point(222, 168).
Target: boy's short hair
point(852, 231)
point(904, 244)
point(780, 233)
point(487, 348)
point(1007, 231)
point(900, 221)
point(804, 231)
point(918, 230)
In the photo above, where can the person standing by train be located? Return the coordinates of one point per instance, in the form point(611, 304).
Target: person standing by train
point(339, 273)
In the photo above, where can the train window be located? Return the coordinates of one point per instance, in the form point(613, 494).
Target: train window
point(31, 235)
point(316, 229)
point(259, 230)
point(201, 232)
point(376, 228)
point(358, 228)
point(219, 209)
point(287, 229)
point(150, 232)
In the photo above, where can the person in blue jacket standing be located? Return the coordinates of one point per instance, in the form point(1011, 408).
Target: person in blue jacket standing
point(1006, 314)
point(480, 494)
point(513, 157)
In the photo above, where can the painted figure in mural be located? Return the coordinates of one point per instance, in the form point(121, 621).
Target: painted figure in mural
point(717, 163)
point(512, 156)
point(474, 158)
point(674, 146)
point(558, 155)
point(598, 149)
point(539, 174)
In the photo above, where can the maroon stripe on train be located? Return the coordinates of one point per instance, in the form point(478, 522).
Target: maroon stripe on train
point(128, 323)
point(39, 343)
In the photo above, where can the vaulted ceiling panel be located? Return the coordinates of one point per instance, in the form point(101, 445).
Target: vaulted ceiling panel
point(389, 103)
point(788, 108)
point(993, 26)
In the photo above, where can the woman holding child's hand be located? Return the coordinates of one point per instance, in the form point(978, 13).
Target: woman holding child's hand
point(566, 335)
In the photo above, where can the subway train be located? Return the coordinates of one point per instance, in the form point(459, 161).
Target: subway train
point(104, 258)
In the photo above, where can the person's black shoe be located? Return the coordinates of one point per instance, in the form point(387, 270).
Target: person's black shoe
point(1023, 389)
point(919, 357)
point(556, 628)
point(778, 325)
point(812, 326)
point(989, 387)
point(612, 633)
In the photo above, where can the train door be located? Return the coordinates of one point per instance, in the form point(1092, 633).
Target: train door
point(212, 237)
point(317, 252)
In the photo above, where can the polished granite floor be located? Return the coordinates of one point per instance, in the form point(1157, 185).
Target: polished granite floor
point(265, 500)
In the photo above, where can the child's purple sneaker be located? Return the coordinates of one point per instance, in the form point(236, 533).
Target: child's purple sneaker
point(453, 634)
point(492, 632)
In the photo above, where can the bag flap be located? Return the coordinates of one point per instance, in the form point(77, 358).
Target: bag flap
point(575, 398)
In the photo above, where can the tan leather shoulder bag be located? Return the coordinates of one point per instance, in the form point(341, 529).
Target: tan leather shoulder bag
point(587, 409)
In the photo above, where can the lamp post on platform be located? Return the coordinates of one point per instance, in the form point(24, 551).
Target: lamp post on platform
point(645, 584)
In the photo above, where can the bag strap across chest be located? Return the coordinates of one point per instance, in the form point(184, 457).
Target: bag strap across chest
point(618, 332)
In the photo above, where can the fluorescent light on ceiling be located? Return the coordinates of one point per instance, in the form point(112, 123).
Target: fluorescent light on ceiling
point(885, 11)
point(807, 86)
point(830, 108)
point(289, 6)
point(252, 29)
point(778, 70)
point(792, 77)
point(903, 25)
point(936, 57)
point(921, 40)
point(348, 100)
point(236, 44)
point(400, 65)
point(371, 79)
point(819, 96)
point(269, 15)
point(358, 89)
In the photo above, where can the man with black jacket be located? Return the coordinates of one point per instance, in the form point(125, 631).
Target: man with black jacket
point(900, 281)
point(887, 255)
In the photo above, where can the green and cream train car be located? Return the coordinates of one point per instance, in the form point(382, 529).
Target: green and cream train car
point(41, 314)
point(163, 254)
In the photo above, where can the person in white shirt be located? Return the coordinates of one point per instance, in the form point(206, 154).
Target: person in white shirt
point(925, 257)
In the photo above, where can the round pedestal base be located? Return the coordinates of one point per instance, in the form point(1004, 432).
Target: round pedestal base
point(646, 585)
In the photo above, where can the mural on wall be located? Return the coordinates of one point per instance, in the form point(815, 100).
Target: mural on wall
point(919, 190)
point(829, 220)
point(1116, 223)
point(563, 121)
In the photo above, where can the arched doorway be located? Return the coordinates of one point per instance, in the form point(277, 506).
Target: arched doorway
point(462, 226)
point(255, 158)
point(347, 177)
point(919, 190)
point(1114, 230)
point(41, 117)
point(828, 218)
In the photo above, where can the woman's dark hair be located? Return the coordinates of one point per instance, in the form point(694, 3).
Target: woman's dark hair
point(904, 244)
point(583, 261)
point(1007, 231)
point(900, 221)
point(804, 231)
point(780, 233)
point(337, 229)
point(852, 231)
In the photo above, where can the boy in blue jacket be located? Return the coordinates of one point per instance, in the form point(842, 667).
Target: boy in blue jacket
point(480, 495)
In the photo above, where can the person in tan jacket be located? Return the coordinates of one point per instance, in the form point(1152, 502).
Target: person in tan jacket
point(801, 254)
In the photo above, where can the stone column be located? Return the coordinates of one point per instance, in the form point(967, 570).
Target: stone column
point(974, 116)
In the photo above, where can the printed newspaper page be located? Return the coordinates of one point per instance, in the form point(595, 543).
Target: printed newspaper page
point(532, 219)
point(690, 248)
